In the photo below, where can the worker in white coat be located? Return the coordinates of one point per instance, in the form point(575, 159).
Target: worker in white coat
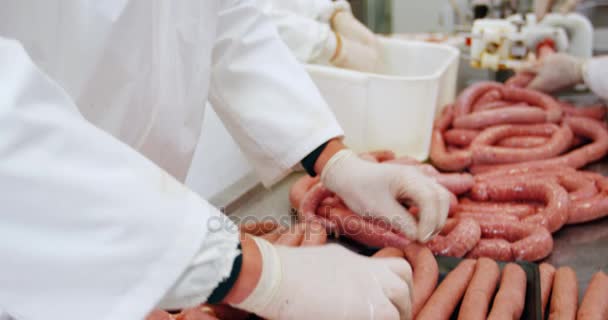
point(101, 104)
point(561, 71)
point(542, 7)
point(324, 32)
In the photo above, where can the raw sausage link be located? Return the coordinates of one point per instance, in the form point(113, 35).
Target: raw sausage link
point(492, 135)
point(448, 161)
point(300, 188)
point(526, 242)
point(485, 154)
point(584, 210)
point(595, 301)
point(445, 118)
point(481, 289)
point(312, 201)
point(585, 127)
point(456, 239)
point(522, 142)
point(468, 97)
point(258, 228)
point(564, 297)
point(443, 301)
point(489, 96)
point(506, 115)
point(534, 98)
point(353, 226)
point(597, 112)
point(510, 298)
point(293, 237)
point(478, 216)
point(519, 210)
point(553, 216)
point(426, 274)
point(547, 272)
point(460, 137)
point(497, 249)
point(389, 252)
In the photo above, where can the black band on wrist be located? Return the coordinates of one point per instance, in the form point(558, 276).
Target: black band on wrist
point(309, 161)
point(222, 289)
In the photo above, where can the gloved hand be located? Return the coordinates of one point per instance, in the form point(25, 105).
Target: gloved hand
point(355, 55)
point(376, 189)
point(329, 282)
point(542, 7)
point(555, 72)
point(344, 23)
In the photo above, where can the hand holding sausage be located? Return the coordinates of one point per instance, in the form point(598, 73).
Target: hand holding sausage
point(555, 72)
point(376, 190)
point(292, 279)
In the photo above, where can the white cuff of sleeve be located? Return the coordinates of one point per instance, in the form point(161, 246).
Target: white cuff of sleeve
point(594, 75)
point(270, 279)
point(211, 265)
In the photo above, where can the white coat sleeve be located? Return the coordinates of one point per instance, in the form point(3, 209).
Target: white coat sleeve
point(263, 95)
point(595, 75)
point(90, 228)
point(304, 26)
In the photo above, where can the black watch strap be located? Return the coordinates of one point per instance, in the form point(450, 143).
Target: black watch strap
point(309, 161)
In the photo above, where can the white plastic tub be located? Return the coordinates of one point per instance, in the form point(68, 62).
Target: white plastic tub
point(395, 108)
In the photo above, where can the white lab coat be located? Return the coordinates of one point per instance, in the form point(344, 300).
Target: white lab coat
point(596, 76)
point(304, 26)
point(96, 223)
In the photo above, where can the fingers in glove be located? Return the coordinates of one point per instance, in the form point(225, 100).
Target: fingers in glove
point(425, 193)
point(542, 7)
point(444, 208)
point(398, 217)
point(399, 289)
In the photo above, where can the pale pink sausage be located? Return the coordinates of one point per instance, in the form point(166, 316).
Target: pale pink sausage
point(564, 297)
point(489, 96)
point(484, 215)
point(553, 216)
point(445, 118)
point(595, 303)
point(526, 242)
point(547, 272)
point(300, 188)
point(487, 154)
point(534, 98)
point(496, 249)
point(497, 105)
point(597, 112)
point(510, 299)
point(425, 272)
point(480, 291)
point(353, 226)
point(444, 160)
point(522, 142)
point(507, 115)
point(460, 137)
point(444, 300)
point(577, 158)
point(456, 238)
point(585, 210)
point(466, 99)
point(518, 210)
point(310, 203)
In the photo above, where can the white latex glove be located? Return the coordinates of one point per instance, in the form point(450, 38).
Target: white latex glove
point(355, 55)
point(555, 72)
point(329, 282)
point(376, 189)
point(344, 23)
point(542, 7)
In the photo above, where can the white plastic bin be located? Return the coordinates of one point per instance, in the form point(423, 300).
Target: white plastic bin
point(395, 108)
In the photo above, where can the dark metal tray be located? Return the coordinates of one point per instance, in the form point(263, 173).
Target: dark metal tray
point(532, 307)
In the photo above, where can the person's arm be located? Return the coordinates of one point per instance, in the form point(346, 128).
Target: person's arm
point(90, 228)
point(264, 96)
